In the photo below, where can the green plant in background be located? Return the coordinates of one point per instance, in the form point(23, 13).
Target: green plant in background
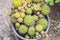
point(45, 10)
point(23, 29)
point(28, 11)
point(43, 22)
point(39, 28)
point(28, 20)
point(16, 3)
point(57, 1)
point(31, 31)
point(50, 2)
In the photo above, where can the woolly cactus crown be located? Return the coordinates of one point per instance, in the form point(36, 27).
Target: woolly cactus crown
point(45, 9)
point(17, 3)
point(31, 31)
point(23, 29)
point(43, 22)
point(28, 20)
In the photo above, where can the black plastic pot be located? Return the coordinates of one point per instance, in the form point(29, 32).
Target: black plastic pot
point(40, 38)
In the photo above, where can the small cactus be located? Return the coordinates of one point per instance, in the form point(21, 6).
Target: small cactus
point(22, 15)
point(45, 10)
point(8, 13)
point(39, 28)
point(36, 1)
point(43, 22)
point(20, 20)
point(23, 29)
point(28, 11)
point(13, 19)
point(31, 31)
point(17, 15)
point(28, 20)
point(35, 17)
point(16, 3)
point(42, 32)
point(29, 1)
point(37, 34)
point(27, 36)
point(36, 7)
point(17, 24)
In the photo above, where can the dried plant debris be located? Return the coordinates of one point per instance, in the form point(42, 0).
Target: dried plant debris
point(55, 25)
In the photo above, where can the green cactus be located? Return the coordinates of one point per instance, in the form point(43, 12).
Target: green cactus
point(20, 20)
point(31, 31)
point(29, 1)
point(36, 7)
point(17, 24)
point(39, 28)
point(36, 1)
point(23, 29)
point(27, 37)
point(28, 11)
point(45, 10)
point(43, 22)
point(57, 1)
point(17, 15)
point(42, 32)
point(13, 19)
point(16, 3)
point(37, 33)
point(8, 13)
point(35, 17)
point(22, 15)
point(28, 20)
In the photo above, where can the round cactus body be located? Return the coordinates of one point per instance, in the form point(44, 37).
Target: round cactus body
point(43, 22)
point(45, 10)
point(28, 20)
point(31, 31)
point(23, 29)
point(39, 28)
point(28, 11)
point(16, 3)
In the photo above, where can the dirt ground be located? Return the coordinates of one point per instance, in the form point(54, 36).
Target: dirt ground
point(5, 29)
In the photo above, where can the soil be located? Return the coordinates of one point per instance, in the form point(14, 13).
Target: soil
point(55, 12)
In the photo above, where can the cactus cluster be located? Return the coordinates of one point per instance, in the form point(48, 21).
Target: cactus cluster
point(28, 17)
